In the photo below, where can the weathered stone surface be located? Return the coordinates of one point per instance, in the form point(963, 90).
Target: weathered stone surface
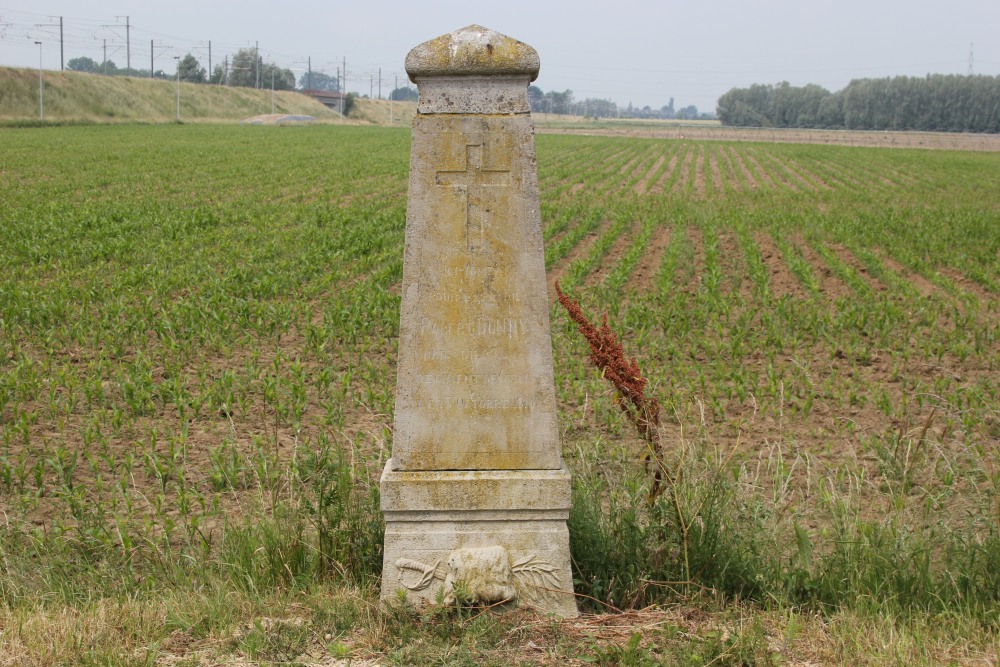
point(472, 50)
point(475, 496)
point(448, 527)
point(475, 386)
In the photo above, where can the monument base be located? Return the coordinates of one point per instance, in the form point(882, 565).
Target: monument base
point(478, 537)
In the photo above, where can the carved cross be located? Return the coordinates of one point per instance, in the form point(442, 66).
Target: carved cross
point(471, 182)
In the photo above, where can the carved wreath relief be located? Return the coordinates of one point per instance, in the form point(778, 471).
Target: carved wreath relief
point(484, 575)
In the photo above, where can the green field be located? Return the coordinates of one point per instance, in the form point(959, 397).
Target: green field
point(198, 330)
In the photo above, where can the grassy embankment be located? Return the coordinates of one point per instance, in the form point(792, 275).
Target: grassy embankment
point(74, 97)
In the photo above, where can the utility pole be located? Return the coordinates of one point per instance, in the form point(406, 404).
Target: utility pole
point(151, 59)
point(105, 56)
point(210, 61)
point(309, 77)
point(41, 87)
point(256, 64)
point(178, 61)
point(971, 56)
point(61, 42)
point(128, 43)
point(392, 95)
point(128, 47)
point(380, 83)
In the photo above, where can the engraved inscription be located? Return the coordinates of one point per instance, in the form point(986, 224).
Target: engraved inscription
point(479, 326)
point(478, 403)
point(471, 182)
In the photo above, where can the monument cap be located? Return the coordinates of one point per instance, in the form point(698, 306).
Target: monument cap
point(472, 51)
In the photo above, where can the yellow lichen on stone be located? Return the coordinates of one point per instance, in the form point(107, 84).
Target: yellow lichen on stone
point(472, 51)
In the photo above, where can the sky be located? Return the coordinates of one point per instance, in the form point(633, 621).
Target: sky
point(630, 51)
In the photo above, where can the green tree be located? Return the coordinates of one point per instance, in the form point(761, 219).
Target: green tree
point(83, 64)
point(190, 70)
point(559, 102)
point(404, 94)
point(595, 108)
point(245, 69)
point(536, 99)
point(318, 81)
point(272, 76)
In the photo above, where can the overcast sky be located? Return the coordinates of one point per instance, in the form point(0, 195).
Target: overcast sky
point(636, 51)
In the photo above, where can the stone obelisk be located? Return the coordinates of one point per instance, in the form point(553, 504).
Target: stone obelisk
point(476, 495)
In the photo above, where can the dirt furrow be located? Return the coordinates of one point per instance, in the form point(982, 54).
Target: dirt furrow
point(830, 285)
point(579, 250)
point(665, 176)
point(744, 169)
point(643, 184)
point(696, 238)
point(848, 258)
point(700, 174)
point(614, 255)
point(781, 280)
point(644, 276)
point(684, 175)
point(774, 178)
point(716, 170)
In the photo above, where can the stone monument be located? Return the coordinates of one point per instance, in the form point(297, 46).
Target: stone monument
point(476, 495)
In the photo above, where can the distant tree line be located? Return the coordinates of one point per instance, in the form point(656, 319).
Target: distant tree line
point(937, 102)
point(563, 103)
point(246, 69)
point(84, 64)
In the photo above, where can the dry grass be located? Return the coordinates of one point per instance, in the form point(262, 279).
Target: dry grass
point(377, 112)
point(79, 97)
point(302, 630)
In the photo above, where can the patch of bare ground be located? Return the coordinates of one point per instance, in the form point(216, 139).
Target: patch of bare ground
point(750, 177)
point(684, 176)
point(665, 176)
point(643, 184)
point(967, 284)
point(644, 276)
point(715, 170)
point(830, 285)
point(923, 286)
point(579, 250)
point(848, 258)
point(781, 280)
point(613, 256)
point(733, 266)
point(700, 174)
point(697, 241)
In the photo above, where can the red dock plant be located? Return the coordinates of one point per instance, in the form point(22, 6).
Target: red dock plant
point(624, 374)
